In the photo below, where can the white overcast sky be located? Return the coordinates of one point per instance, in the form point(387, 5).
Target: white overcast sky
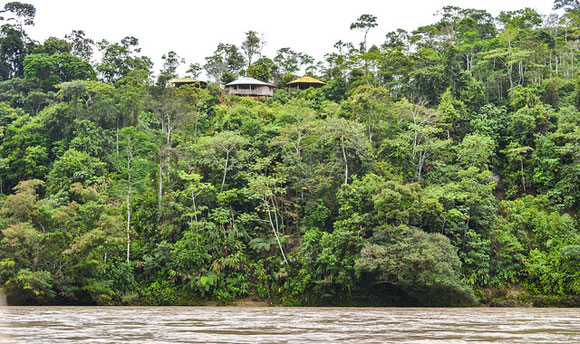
point(194, 28)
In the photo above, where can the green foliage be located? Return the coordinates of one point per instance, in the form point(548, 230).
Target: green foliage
point(48, 70)
point(74, 166)
point(119, 59)
point(437, 166)
point(263, 70)
point(425, 266)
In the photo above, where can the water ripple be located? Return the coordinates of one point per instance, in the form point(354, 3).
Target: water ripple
point(286, 325)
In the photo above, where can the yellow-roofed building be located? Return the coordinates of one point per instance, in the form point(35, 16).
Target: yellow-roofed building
point(188, 81)
point(304, 83)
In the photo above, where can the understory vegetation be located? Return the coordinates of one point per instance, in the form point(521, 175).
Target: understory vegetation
point(439, 168)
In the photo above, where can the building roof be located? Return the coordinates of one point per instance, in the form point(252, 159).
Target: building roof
point(306, 80)
point(244, 80)
point(184, 80)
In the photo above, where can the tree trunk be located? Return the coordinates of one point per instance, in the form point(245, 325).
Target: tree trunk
point(161, 162)
point(168, 155)
point(160, 194)
point(128, 214)
point(509, 72)
point(194, 208)
point(117, 136)
point(345, 160)
point(572, 60)
point(523, 178)
point(422, 156)
point(226, 168)
point(168, 167)
point(266, 202)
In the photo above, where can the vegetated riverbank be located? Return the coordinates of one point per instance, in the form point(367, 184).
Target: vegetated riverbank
point(511, 298)
point(3, 301)
point(519, 297)
point(437, 168)
point(508, 297)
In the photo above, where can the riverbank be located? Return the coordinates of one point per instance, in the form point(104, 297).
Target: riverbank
point(519, 297)
point(514, 297)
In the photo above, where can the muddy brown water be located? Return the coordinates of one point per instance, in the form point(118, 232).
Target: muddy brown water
point(287, 325)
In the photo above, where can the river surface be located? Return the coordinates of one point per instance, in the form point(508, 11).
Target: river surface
point(287, 325)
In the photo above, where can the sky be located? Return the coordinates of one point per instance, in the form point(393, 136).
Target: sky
point(194, 28)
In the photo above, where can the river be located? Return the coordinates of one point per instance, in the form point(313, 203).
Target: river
point(287, 325)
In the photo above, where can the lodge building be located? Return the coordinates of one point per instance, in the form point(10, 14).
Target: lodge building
point(303, 83)
point(245, 86)
point(188, 81)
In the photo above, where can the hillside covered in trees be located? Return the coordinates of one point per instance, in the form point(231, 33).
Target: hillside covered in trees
point(440, 167)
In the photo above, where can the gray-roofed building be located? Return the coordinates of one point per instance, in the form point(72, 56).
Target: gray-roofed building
point(251, 87)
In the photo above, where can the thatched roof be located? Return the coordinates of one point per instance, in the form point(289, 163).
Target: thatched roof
point(248, 81)
point(185, 81)
point(306, 80)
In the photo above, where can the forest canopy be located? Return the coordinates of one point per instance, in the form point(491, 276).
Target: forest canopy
point(439, 168)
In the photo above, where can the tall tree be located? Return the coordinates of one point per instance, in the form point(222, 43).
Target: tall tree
point(171, 61)
point(364, 23)
point(291, 61)
point(121, 58)
point(222, 151)
point(134, 164)
point(347, 140)
point(20, 12)
point(14, 42)
point(81, 46)
point(252, 46)
point(225, 59)
point(194, 70)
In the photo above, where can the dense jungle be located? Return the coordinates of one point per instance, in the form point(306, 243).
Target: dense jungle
point(440, 167)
